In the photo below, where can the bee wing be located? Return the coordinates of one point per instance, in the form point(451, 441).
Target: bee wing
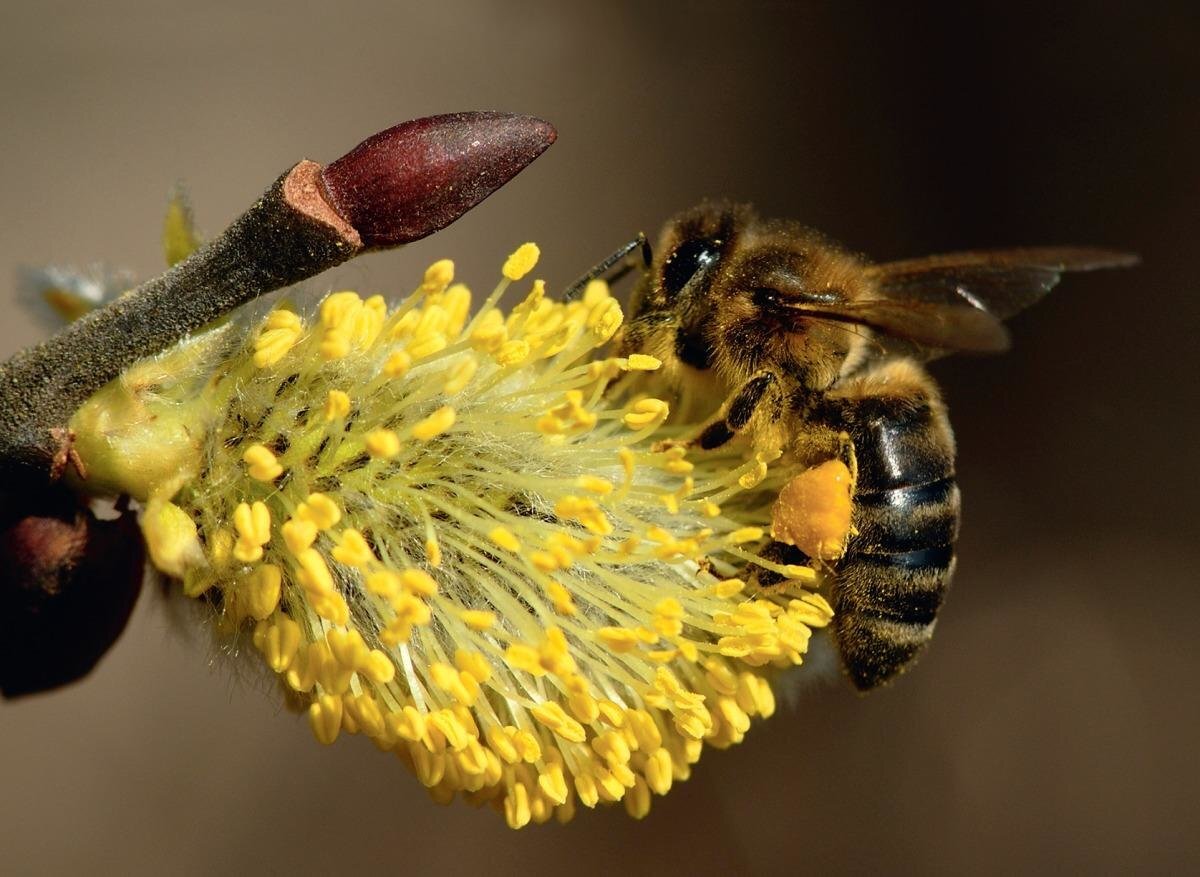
point(930, 327)
point(964, 296)
point(1002, 282)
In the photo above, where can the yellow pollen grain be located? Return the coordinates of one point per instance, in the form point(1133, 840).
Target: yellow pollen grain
point(478, 619)
point(505, 538)
point(382, 444)
point(641, 362)
point(261, 463)
point(337, 405)
point(253, 526)
point(435, 424)
point(521, 262)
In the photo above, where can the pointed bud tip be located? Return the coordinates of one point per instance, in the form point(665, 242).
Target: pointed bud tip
point(417, 177)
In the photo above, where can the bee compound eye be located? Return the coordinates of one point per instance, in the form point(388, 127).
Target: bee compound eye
point(689, 258)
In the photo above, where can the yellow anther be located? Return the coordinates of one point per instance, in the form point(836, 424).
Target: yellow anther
point(500, 739)
point(263, 588)
point(433, 552)
point(553, 717)
point(298, 534)
point(586, 511)
point(522, 657)
point(435, 424)
point(478, 619)
point(438, 276)
point(521, 262)
point(280, 332)
point(563, 602)
point(544, 561)
point(527, 745)
point(313, 575)
point(512, 352)
point(460, 375)
point(321, 510)
point(668, 617)
point(505, 538)
point(427, 346)
point(352, 549)
point(516, 805)
point(383, 583)
point(347, 647)
point(658, 771)
point(474, 663)
point(171, 538)
point(595, 484)
point(377, 667)
point(604, 320)
point(382, 444)
point(637, 799)
point(325, 718)
point(641, 362)
point(619, 639)
point(261, 463)
point(253, 525)
point(337, 405)
point(490, 331)
point(645, 731)
point(645, 412)
point(458, 307)
point(405, 325)
point(754, 476)
point(279, 641)
point(452, 682)
point(418, 583)
point(553, 783)
point(397, 364)
point(745, 534)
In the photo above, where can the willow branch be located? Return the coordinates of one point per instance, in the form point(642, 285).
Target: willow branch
point(398, 186)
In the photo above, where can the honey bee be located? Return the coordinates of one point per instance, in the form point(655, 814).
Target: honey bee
point(815, 351)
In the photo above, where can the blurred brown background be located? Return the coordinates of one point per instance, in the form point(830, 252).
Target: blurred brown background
point(1052, 725)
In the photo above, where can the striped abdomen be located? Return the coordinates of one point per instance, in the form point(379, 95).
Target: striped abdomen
point(891, 581)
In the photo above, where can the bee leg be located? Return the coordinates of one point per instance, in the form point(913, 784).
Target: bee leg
point(741, 409)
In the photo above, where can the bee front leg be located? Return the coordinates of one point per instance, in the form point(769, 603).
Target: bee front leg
point(741, 408)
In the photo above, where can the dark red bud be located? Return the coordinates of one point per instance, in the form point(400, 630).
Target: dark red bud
point(68, 583)
point(411, 180)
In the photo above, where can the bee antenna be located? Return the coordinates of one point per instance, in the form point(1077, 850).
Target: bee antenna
point(605, 265)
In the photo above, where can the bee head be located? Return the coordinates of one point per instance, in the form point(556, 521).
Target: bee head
point(730, 292)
